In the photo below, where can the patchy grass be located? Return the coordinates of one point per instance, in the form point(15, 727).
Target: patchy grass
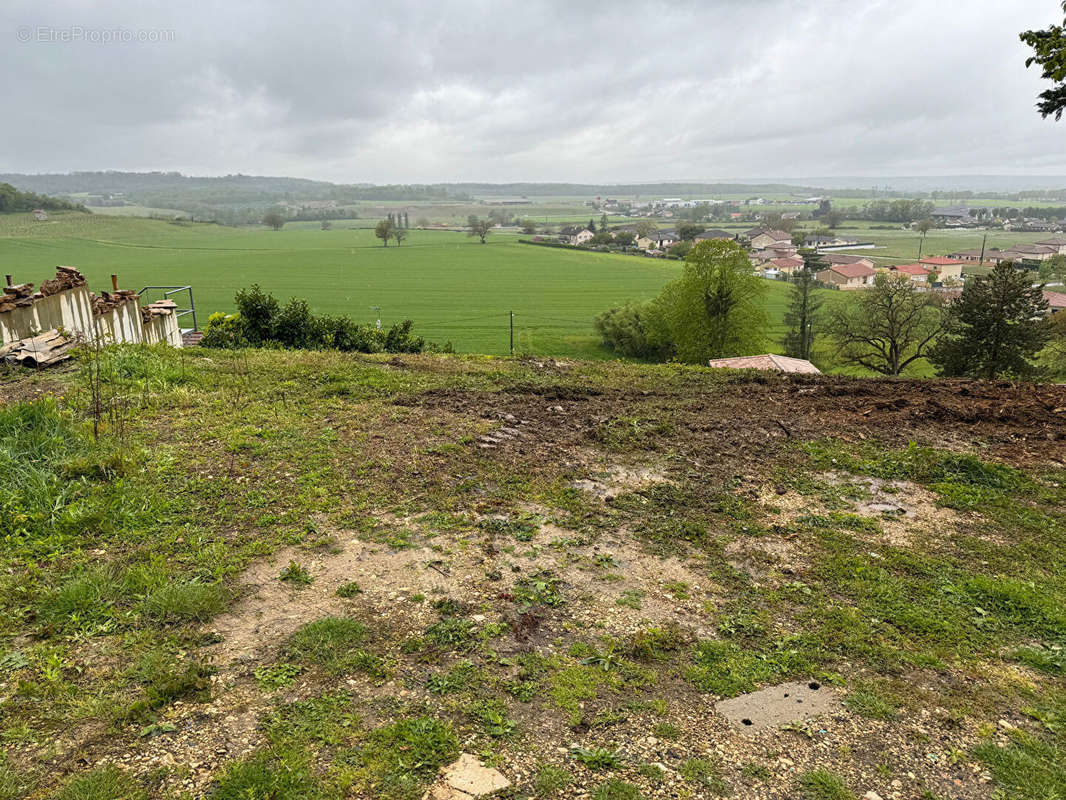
point(821, 784)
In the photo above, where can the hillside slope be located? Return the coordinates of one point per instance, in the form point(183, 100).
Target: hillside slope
point(301, 575)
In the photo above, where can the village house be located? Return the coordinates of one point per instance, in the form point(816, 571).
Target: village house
point(1057, 242)
point(763, 239)
point(992, 256)
point(785, 266)
point(848, 276)
point(1056, 301)
point(953, 216)
point(40, 215)
point(949, 269)
point(575, 236)
point(916, 272)
point(714, 233)
point(819, 240)
point(837, 259)
point(1031, 252)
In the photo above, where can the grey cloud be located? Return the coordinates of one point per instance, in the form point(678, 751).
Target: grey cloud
point(553, 91)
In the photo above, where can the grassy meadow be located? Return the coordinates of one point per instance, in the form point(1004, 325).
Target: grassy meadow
point(453, 287)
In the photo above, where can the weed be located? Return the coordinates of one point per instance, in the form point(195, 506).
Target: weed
point(105, 783)
point(401, 758)
point(866, 701)
point(349, 590)
point(453, 633)
point(597, 758)
point(296, 574)
point(550, 780)
point(263, 777)
point(277, 676)
point(652, 773)
point(185, 602)
point(705, 774)
point(614, 789)
point(666, 730)
point(1031, 765)
point(493, 717)
point(1050, 659)
point(335, 643)
point(631, 598)
point(755, 771)
point(679, 589)
point(457, 679)
point(656, 644)
point(821, 784)
point(541, 589)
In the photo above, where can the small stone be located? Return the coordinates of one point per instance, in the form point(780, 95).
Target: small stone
point(871, 795)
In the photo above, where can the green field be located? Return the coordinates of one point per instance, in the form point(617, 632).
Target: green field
point(454, 288)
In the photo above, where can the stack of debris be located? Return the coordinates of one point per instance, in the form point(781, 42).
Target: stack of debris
point(159, 308)
point(66, 278)
point(14, 297)
point(110, 300)
point(40, 351)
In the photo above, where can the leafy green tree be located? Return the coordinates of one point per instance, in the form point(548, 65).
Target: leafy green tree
point(888, 327)
point(996, 326)
point(632, 330)
point(687, 231)
point(833, 218)
point(625, 238)
point(803, 309)
point(274, 220)
point(603, 222)
point(528, 226)
point(592, 225)
point(645, 227)
point(1049, 52)
point(479, 227)
point(383, 230)
point(923, 226)
point(399, 235)
point(715, 308)
point(1053, 269)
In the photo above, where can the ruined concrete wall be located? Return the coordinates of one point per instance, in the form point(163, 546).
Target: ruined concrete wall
point(66, 304)
point(120, 323)
point(70, 310)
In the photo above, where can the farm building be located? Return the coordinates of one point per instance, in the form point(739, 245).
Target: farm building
point(762, 238)
point(1057, 242)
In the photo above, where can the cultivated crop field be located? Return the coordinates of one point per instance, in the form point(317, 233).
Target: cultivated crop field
point(454, 288)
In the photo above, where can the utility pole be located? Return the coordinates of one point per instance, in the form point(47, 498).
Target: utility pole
point(983, 240)
point(512, 333)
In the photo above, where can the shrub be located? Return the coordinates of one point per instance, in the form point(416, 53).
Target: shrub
point(626, 330)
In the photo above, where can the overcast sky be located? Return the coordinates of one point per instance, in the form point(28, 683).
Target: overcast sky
point(443, 90)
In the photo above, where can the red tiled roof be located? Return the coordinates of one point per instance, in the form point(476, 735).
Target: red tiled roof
point(911, 269)
point(852, 270)
point(838, 258)
point(786, 263)
point(1055, 299)
point(939, 261)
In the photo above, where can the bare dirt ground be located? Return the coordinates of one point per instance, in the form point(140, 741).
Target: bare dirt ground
point(611, 447)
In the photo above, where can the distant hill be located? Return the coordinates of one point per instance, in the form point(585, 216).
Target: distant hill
point(12, 199)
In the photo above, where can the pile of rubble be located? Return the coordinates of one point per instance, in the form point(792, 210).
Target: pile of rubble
point(109, 300)
point(14, 297)
point(66, 278)
point(157, 309)
point(22, 295)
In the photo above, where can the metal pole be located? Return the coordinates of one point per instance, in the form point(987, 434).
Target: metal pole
point(983, 240)
point(512, 333)
point(9, 281)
